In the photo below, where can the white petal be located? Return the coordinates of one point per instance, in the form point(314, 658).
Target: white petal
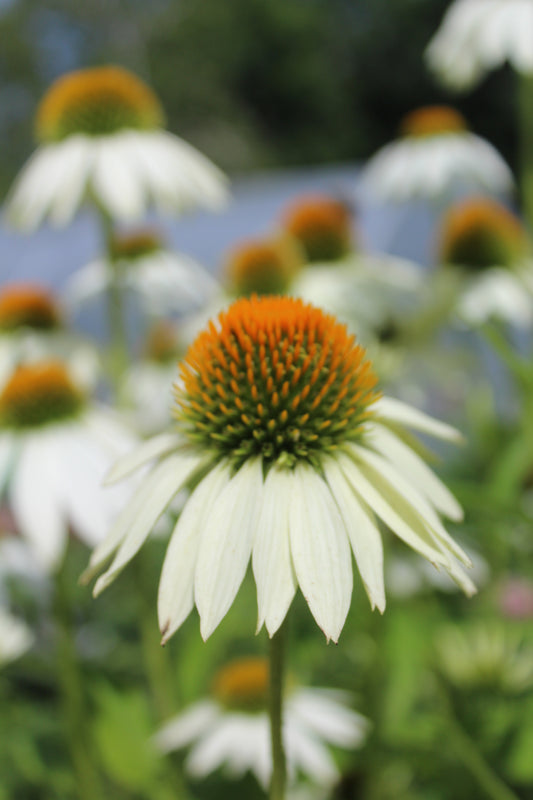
point(35, 503)
point(164, 482)
point(187, 726)
point(392, 410)
point(89, 281)
point(320, 551)
point(386, 472)
point(363, 533)
point(77, 159)
point(308, 754)
point(271, 561)
point(153, 448)
point(227, 738)
point(226, 545)
point(393, 510)
point(15, 637)
point(328, 717)
point(176, 595)
point(115, 180)
point(410, 464)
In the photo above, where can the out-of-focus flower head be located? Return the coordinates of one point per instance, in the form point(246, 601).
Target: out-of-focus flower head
point(101, 139)
point(164, 281)
point(32, 327)
point(262, 266)
point(55, 448)
point(290, 453)
point(490, 247)
point(477, 36)
point(322, 225)
point(485, 656)
point(435, 157)
point(231, 728)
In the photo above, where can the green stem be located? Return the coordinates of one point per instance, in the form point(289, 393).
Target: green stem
point(491, 785)
point(72, 694)
point(275, 707)
point(118, 351)
point(156, 663)
point(525, 127)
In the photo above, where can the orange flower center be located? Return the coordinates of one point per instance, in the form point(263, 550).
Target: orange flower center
point(275, 377)
point(263, 267)
point(322, 226)
point(243, 684)
point(481, 233)
point(37, 394)
point(432, 121)
point(97, 102)
point(133, 246)
point(27, 306)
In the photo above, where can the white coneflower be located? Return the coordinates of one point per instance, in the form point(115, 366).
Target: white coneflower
point(489, 248)
point(55, 448)
point(101, 138)
point(477, 36)
point(163, 281)
point(292, 456)
point(435, 157)
point(231, 728)
point(32, 328)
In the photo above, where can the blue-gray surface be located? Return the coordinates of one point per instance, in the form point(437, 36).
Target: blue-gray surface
point(51, 255)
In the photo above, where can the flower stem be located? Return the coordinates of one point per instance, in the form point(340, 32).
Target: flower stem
point(118, 351)
point(525, 110)
point(492, 786)
point(278, 780)
point(72, 694)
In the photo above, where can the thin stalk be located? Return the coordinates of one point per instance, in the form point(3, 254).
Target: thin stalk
point(491, 785)
point(278, 780)
point(525, 127)
point(72, 694)
point(118, 350)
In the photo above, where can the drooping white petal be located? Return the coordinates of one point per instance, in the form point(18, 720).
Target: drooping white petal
point(187, 726)
point(420, 475)
point(35, 503)
point(363, 533)
point(176, 587)
point(226, 545)
point(389, 409)
point(15, 637)
point(76, 163)
point(328, 715)
point(320, 550)
point(307, 753)
point(271, 560)
point(88, 281)
point(153, 448)
point(165, 481)
point(228, 736)
point(374, 464)
point(395, 512)
point(115, 180)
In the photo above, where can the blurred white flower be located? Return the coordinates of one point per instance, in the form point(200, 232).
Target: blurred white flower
point(488, 248)
point(101, 139)
point(369, 292)
point(291, 455)
point(477, 36)
point(15, 637)
point(164, 282)
point(31, 329)
point(436, 157)
point(55, 448)
point(232, 729)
